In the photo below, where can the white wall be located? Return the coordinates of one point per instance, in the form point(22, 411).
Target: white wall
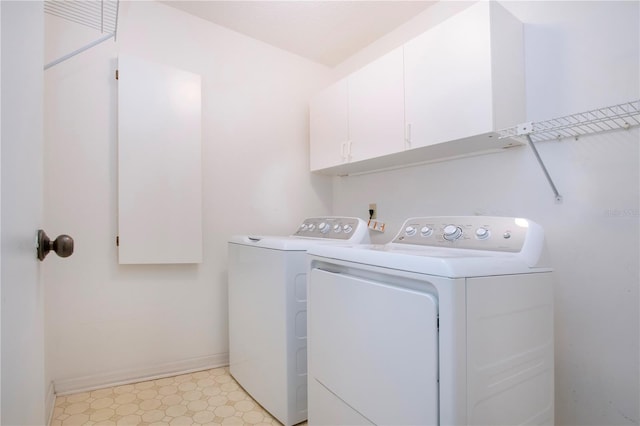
point(23, 374)
point(109, 322)
point(579, 56)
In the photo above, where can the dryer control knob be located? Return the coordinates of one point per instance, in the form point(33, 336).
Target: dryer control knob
point(452, 232)
point(347, 228)
point(337, 228)
point(410, 231)
point(426, 231)
point(304, 227)
point(323, 227)
point(482, 233)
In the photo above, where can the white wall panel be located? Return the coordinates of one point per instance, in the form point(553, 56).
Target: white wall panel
point(159, 163)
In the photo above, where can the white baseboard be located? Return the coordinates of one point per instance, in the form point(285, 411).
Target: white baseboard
point(50, 402)
point(117, 378)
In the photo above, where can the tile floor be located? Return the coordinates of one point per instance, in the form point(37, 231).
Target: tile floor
point(210, 397)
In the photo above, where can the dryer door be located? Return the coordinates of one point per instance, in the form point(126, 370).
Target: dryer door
point(374, 346)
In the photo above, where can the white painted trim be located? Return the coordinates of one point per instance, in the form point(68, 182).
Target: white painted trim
point(50, 402)
point(123, 377)
point(0, 216)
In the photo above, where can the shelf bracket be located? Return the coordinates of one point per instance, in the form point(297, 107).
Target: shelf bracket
point(78, 51)
point(544, 169)
point(525, 129)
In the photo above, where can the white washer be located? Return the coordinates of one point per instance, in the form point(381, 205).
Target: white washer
point(268, 311)
point(451, 323)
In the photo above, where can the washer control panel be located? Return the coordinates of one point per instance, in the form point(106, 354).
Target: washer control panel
point(466, 232)
point(334, 228)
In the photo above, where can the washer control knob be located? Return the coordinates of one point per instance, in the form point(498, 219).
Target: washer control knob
point(426, 231)
point(323, 228)
point(337, 228)
point(452, 232)
point(410, 231)
point(347, 228)
point(482, 233)
point(506, 235)
point(311, 227)
point(304, 227)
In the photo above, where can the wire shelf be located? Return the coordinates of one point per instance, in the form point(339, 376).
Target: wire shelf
point(621, 116)
point(101, 15)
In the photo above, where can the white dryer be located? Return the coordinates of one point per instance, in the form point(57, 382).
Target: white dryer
point(451, 323)
point(268, 311)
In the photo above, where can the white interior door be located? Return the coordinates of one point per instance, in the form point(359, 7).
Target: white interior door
point(374, 346)
point(22, 337)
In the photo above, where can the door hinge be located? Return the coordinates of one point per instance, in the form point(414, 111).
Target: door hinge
point(117, 75)
point(117, 240)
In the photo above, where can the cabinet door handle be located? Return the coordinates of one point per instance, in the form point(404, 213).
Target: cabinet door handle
point(407, 133)
point(348, 150)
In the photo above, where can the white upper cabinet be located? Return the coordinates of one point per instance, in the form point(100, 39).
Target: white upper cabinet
point(329, 126)
point(442, 95)
point(359, 117)
point(376, 108)
point(464, 77)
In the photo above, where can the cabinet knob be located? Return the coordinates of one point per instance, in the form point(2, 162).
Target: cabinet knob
point(63, 245)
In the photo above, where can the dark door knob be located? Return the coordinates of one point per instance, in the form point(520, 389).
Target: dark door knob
point(63, 245)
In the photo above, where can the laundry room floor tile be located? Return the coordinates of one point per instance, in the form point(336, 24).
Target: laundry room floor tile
point(210, 397)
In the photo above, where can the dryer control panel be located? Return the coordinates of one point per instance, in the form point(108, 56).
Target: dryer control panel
point(506, 234)
point(333, 228)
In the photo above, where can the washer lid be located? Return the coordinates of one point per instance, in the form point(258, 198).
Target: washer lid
point(283, 243)
point(314, 230)
point(450, 263)
point(457, 246)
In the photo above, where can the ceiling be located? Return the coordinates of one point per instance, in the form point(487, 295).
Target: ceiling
point(326, 32)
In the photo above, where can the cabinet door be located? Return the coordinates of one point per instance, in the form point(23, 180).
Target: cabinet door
point(329, 131)
point(448, 79)
point(159, 163)
point(376, 108)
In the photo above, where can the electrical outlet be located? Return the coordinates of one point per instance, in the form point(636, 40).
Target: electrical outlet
point(373, 211)
point(374, 225)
